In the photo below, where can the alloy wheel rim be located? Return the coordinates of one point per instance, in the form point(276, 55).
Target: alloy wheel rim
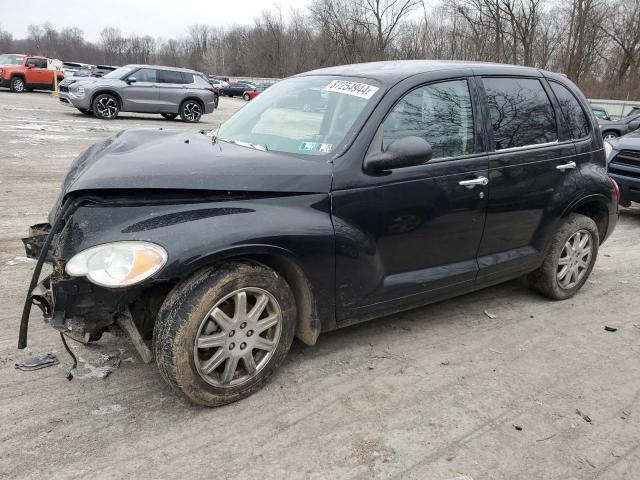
point(192, 111)
point(18, 85)
point(107, 107)
point(575, 259)
point(238, 337)
point(609, 137)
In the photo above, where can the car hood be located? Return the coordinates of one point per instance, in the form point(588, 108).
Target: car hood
point(630, 141)
point(161, 159)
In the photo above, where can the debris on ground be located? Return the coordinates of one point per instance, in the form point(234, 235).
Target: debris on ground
point(517, 427)
point(37, 361)
point(108, 410)
point(105, 365)
point(19, 259)
point(446, 362)
point(546, 438)
point(584, 416)
point(490, 315)
point(609, 328)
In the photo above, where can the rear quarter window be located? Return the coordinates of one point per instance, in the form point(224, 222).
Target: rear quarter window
point(571, 111)
point(521, 112)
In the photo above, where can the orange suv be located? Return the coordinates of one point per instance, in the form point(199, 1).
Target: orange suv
point(24, 72)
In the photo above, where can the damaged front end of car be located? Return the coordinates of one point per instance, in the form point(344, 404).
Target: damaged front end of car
point(96, 289)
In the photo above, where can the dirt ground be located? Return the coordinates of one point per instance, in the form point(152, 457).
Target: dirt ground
point(436, 393)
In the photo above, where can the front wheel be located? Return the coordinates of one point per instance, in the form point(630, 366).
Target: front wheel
point(105, 106)
point(222, 333)
point(246, 97)
point(190, 111)
point(606, 136)
point(570, 259)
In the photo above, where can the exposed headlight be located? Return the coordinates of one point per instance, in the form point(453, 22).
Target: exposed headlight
point(118, 264)
point(78, 91)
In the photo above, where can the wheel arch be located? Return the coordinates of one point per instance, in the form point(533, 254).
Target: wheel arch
point(283, 262)
point(110, 92)
point(191, 97)
point(20, 75)
point(595, 207)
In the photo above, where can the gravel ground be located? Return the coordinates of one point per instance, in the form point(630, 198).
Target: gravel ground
point(435, 393)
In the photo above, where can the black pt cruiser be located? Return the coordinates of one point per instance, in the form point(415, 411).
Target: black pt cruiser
point(336, 196)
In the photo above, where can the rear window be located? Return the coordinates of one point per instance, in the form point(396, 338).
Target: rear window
point(170, 76)
point(571, 110)
point(521, 113)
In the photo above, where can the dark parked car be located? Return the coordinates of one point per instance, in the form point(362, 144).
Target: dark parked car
point(418, 181)
point(616, 128)
point(236, 89)
point(623, 158)
point(635, 110)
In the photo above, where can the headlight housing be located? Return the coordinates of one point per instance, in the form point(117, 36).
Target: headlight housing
point(118, 264)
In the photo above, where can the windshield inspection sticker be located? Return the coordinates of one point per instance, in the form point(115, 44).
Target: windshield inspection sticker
point(361, 90)
point(315, 147)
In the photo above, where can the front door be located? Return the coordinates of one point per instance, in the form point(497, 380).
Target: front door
point(141, 95)
point(37, 73)
point(412, 235)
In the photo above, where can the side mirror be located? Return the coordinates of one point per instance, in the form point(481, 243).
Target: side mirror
point(131, 80)
point(403, 152)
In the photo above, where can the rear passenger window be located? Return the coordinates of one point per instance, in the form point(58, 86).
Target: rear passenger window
point(440, 113)
point(571, 110)
point(169, 76)
point(521, 113)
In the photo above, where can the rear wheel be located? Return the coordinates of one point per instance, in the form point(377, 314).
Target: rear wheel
point(105, 106)
point(190, 111)
point(222, 333)
point(246, 97)
point(17, 85)
point(569, 260)
point(169, 116)
point(609, 135)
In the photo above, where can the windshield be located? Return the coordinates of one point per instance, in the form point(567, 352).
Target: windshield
point(119, 72)
point(83, 72)
point(11, 59)
point(304, 115)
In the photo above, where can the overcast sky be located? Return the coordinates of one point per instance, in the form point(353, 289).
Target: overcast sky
point(158, 18)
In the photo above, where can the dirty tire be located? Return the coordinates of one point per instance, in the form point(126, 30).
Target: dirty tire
point(545, 279)
point(105, 106)
point(180, 318)
point(17, 85)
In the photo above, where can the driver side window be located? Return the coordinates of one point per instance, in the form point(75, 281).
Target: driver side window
point(441, 113)
point(145, 75)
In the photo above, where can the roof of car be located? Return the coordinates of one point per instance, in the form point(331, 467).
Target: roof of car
point(390, 72)
point(162, 67)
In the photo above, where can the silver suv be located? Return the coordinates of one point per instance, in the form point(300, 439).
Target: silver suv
point(145, 89)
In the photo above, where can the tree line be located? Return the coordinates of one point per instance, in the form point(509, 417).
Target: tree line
point(596, 43)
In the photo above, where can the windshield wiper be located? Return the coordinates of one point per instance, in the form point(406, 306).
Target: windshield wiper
point(255, 146)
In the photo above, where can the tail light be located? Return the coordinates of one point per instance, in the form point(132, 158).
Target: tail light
point(615, 189)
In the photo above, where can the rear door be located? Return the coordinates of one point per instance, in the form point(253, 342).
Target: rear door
point(411, 235)
point(172, 86)
point(141, 95)
point(531, 175)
